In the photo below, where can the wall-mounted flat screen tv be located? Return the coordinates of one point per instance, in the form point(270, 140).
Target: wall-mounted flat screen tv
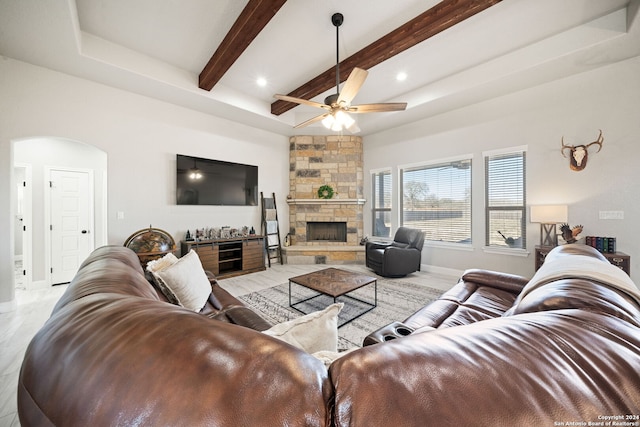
point(215, 182)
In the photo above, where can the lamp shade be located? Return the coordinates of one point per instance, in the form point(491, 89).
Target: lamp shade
point(549, 214)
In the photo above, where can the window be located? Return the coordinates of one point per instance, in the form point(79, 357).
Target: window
point(505, 199)
point(381, 203)
point(436, 199)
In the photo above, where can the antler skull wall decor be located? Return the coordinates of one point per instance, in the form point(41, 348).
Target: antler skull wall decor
point(580, 153)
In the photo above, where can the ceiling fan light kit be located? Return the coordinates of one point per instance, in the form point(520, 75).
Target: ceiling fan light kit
point(338, 105)
point(339, 120)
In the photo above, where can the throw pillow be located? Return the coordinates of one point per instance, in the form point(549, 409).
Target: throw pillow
point(188, 281)
point(157, 265)
point(313, 332)
point(162, 263)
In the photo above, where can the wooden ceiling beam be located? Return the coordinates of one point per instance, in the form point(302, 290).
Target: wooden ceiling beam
point(254, 17)
point(444, 15)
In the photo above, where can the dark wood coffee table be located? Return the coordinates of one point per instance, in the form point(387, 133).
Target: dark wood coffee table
point(335, 283)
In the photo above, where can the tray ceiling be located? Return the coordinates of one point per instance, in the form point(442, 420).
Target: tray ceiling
point(159, 49)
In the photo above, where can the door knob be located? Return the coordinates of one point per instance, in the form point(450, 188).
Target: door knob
point(84, 231)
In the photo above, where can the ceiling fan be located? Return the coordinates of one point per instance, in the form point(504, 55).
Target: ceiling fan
point(338, 105)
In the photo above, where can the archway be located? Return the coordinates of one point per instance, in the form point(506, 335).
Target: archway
point(44, 155)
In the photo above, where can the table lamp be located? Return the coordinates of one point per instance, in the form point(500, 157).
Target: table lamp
point(548, 216)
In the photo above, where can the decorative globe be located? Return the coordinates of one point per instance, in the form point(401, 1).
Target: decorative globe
point(150, 243)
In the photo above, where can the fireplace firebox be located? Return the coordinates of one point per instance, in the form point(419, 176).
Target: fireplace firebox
point(318, 231)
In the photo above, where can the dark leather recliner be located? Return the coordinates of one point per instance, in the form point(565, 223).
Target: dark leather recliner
point(398, 258)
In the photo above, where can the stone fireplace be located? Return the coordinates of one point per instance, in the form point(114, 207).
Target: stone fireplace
point(325, 230)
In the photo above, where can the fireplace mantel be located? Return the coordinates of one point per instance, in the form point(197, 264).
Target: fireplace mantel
point(326, 201)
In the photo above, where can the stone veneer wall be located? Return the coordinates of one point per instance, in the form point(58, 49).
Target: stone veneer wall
point(316, 161)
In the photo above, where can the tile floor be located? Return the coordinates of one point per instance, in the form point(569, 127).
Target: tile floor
point(34, 307)
point(16, 330)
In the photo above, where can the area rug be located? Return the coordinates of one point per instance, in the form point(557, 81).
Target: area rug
point(397, 300)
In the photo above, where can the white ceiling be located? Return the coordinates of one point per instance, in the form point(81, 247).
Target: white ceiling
point(157, 48)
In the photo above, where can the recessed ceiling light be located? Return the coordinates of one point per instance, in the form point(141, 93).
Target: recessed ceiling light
point(401, 76)
point(261, 81)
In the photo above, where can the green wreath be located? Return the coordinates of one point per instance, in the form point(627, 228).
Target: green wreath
point(325, 192)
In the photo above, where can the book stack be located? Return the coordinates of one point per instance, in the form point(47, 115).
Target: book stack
point(603, 244)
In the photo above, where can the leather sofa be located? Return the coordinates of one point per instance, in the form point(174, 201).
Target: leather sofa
point(115, 353)
point(562, 348)
point(398, 258)
point(479, 295)
point(495, 350)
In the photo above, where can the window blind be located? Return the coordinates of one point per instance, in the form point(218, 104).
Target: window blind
point(437, 200)
point(505, 199)
point(381, 203)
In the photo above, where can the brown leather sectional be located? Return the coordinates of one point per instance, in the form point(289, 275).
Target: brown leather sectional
point(495, 350)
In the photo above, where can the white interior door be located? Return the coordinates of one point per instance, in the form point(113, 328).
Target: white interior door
point(71, 222)
point(22, 174)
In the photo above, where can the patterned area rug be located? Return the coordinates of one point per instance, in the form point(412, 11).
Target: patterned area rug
point(397, 300)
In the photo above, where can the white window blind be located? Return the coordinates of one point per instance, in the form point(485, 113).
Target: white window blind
point(505, 199)
point(437, 200)
point(381, 203)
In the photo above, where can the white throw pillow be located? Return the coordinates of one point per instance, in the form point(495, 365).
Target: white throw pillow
point(188, 281)
point(313, 332)
point(160, 264)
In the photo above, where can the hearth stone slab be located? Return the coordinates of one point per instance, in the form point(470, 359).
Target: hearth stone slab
point(336, 255)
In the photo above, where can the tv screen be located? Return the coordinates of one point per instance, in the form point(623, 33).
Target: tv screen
point(214, 182)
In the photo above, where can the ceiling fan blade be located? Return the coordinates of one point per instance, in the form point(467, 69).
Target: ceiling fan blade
point(311, 121)
point(378, 108)
point(352, 85)
point(301, 101)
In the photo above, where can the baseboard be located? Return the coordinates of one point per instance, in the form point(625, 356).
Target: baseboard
point(9, 306)
point(441, 270)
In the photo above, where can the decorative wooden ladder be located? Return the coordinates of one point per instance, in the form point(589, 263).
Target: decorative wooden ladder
point(271, 228)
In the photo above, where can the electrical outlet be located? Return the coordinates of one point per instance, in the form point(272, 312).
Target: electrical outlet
point(611, 215)
point(120, 215)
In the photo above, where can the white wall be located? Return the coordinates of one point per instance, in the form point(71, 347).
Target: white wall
point(141, 137)
point(576, 107)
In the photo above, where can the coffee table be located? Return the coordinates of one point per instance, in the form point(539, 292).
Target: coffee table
point(335, 283)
